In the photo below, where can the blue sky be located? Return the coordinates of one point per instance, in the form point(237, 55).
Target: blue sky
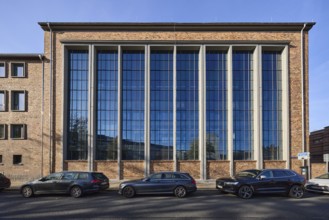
point(20, 32)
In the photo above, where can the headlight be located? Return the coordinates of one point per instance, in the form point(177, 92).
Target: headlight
point(231, 183)
point(311, 183)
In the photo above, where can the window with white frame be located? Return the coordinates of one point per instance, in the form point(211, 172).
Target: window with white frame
point(2, 70)
point(18, 100)
point(3, 105)
point(18, 69)
point(2, 131)
point(18, 131)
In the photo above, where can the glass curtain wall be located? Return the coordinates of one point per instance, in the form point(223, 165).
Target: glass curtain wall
point(161, 105)
point(242, 105)
point(107, 105)
point(216, 94)
point(133, 66)
point(272, 105)
point(187, 111)
point(77, 138)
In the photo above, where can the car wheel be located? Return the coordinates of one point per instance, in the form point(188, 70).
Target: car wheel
point(245, 192)
point(180, 191)
point(128, 192)
point(296, 191)
point(27, 191)
point(76, 192)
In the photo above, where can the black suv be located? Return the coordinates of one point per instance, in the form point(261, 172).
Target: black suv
point(248, 182)
point(75, 183)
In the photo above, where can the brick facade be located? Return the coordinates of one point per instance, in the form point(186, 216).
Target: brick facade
point(53, 151)
point(34, 155)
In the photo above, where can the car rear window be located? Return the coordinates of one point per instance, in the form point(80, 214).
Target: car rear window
point(186, 176)
point(100, 176)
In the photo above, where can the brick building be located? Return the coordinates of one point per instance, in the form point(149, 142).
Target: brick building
point(129, 99)
point(319, 144)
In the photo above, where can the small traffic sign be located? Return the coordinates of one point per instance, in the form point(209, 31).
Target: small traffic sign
point(303, 156)
point(325, 157)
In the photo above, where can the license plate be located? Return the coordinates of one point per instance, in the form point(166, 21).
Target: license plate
point(103, 183)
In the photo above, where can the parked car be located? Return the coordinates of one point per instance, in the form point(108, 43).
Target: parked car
point(74, 183)
point(4, 182)
point(249, 182)
point(319, 184)
point(179, 184)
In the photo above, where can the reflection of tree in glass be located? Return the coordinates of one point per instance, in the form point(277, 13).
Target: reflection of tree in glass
point(193, 153)
point(78, 132)
point(212, 141)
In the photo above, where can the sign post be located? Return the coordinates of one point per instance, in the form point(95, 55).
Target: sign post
point(306, 156)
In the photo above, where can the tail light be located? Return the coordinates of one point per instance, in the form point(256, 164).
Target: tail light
point(96, 181)
point(193, 181)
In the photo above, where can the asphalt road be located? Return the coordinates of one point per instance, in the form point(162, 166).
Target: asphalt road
point(204, 204)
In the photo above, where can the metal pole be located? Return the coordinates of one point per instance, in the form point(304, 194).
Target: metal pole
point(309, 167)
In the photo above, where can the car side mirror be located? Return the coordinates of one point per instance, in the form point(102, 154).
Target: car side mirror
point(262, 177)
point(146, 179)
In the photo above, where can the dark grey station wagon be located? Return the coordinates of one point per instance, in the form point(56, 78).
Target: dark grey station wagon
point(179, 184)
point(75, 183)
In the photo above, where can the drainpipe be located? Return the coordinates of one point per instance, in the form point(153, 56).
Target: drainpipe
point(51, 102)
point(302, 88)
point(42, 110)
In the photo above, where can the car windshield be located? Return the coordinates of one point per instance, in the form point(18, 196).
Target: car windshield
point(248, 173)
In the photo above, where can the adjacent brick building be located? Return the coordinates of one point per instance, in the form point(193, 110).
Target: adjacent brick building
point(129, 99)
point(319, 144)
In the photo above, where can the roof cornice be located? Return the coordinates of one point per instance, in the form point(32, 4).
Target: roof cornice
point(127, 26)
point(21, 55)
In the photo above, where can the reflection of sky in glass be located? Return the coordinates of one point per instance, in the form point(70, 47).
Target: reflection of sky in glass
point(21, 101)
point(107, 105)
point(2, 101)
point(2, 70)
point(216, 71)
point(133, 105)
point(77, 105)
point(161, 105)
point(187, 105)
point(272, 108)
point(242, 105)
